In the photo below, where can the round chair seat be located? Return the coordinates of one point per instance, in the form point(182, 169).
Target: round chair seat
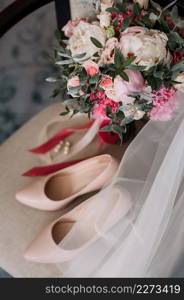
point(19, 223)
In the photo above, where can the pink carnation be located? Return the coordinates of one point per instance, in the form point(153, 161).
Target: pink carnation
point(121, 17)
point(164, 104)
point(99, 111)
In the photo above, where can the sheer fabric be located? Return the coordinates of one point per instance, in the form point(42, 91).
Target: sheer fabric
point(136, 222)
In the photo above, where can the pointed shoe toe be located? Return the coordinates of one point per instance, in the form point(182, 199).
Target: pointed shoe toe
point(61, 241)
point(32, 195)
point(42, 249)
point(55, 191)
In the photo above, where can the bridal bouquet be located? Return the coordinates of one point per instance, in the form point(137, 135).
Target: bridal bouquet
point(123, 64)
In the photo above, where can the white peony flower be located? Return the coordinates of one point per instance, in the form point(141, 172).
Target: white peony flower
point(148, 46)
point(80, 42)
point(180, 86)
point(106, 4)
point(142, 3)
point(105, 19)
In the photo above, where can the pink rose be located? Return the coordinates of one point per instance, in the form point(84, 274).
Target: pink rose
point(124, 88)
point(74, 81)
point(70, 26)
point(106, 82)
point(91, 68)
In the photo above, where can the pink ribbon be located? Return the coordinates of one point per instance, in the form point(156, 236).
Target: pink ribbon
point(103, 138)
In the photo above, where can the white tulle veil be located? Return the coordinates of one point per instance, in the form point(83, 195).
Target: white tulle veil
point(148, 240)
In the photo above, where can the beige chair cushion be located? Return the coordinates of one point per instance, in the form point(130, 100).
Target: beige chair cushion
point(19, 224)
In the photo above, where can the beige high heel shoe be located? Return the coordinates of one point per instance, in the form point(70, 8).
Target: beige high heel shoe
point(81, 143)
point(57, 190)
point(47, 247)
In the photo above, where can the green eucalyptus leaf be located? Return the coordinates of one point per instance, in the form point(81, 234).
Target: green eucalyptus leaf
point(64, 113)
point(180, 24)
point(74, 90)
point(55, 93)
point(79, 55)
point(136, 68)
point(94, 79)
point(119, 115)
point(176, 37)
point(115, 22)
point(58, 35)
point(124, 76)
point(108, 110)
point(129, 61)
point(83, 75)
point(119, 130)
point(106, 128)
point(63, 54)
point(155, 83)
point(126, 22)
point(68, 102)
point(135, 10)
point(178, 66)
point(51, 79)
point(118, 58)
point(159, 74)
point(174, 14)
point(156, 6)
point(111, 9)
point(121, 8)
point(64, 62)
point(96, 42)
point(164, 26)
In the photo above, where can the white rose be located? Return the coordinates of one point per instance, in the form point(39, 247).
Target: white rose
point(106, 4)
point(105, 19)
point(136, 114)
point(180, 86)
point(149, 47)
point(80, 42)
point(142, 3)
point(139, 114)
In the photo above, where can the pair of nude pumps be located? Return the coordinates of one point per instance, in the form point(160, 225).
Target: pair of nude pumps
point(54, 192)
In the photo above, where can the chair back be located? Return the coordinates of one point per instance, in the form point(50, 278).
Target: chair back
point(19, 9)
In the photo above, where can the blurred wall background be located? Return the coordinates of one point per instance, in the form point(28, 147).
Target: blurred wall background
point(24, 65)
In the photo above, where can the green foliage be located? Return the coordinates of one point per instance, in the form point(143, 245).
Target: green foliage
point(58, 35)
point(96, 42)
